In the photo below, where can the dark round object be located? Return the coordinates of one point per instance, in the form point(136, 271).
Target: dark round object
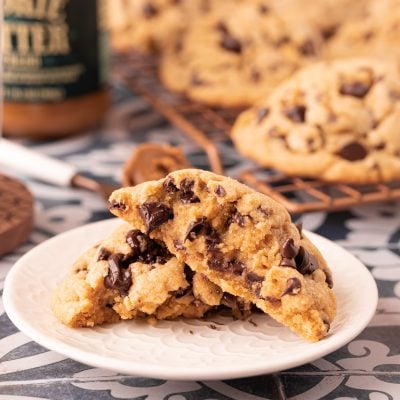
point(16, 214)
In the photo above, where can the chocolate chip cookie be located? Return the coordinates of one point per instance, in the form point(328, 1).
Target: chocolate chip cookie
point(241, 240)
point(129, 276)
point(337, 121)
point(147, 25)
point(375, 33)
point(236, 53)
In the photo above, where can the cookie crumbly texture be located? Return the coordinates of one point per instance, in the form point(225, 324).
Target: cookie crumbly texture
point(241, 240)
point(130, 276)
point(337, 121)
point(236, 53)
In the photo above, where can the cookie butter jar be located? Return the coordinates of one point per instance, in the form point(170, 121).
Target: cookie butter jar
point(55, 66)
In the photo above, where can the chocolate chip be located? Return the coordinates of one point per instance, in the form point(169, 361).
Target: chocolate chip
point(187, 195)
point(154, 214)
point(328, 32)
point(236, 266)
point(288, 262)
point(117, 205)
point(138, 242)
point(220, 191)
point(288, 249)
point(216, 261)
point(221, 27)
point(103, 254)
point(307, 48)
point(261, 114)
point(293, 287)
point(253, 277)
point(236, 218)
point(380, 146)
point(229, 300)
point(356, 89)
point(230, 43)
point(306, 263)
point(212, 239)
point(264, 9)
point(149, 10)
point(195, 228)
point(353, 151)
point(119, 276)
point(169, 185)
point(295, 113)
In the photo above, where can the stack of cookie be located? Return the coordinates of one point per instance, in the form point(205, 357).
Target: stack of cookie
point(321, 80)
point(197, 242)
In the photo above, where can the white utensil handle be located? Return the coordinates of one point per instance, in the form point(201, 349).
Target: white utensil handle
point(34, 164)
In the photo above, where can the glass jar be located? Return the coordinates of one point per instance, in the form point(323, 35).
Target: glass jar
point(55, 60)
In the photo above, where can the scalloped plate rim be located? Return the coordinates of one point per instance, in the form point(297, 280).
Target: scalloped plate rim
point(325, 346)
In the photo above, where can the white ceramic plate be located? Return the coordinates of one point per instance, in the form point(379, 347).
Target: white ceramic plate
point(184, 349)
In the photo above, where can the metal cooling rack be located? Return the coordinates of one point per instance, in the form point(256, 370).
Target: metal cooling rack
point(207, 126)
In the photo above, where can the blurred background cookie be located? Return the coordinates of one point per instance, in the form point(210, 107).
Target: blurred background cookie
point(335, 121)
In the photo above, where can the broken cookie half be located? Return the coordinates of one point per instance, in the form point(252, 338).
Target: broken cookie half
point(241, 240)
point(130, 276)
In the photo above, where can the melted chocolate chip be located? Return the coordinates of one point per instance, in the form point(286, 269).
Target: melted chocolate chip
point(149, 10)
point(117, 205)
point(293, 287)
point(295, 113)
point(253, 277)
point(353, 151)
point(305, 262)
point(236, 266)
point(169, 185)
point(263, 9)
point(307, 48)
point(119, 276)
point(187, 195)
point(139, 242)
point(195, 228)
point(356, 89)
point(220, 191)
point(155, 214)
point(380, 146)
point(221, 27)
point(328, 32)
point(216, 262)
point(230, 43)
point(237, 218)
point(104, 254)
point(261, 114)
point(212, 239)
point(289, 250)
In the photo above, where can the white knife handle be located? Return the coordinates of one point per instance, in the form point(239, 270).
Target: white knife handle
point(35, 165)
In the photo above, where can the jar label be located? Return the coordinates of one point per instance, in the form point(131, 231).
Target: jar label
point(53, 49)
